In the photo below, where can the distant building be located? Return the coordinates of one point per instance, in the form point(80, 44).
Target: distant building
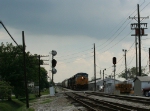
point(108, 85)
point(141, 82)
point(30, 84)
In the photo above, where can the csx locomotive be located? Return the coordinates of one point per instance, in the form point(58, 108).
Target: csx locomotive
point(77, 82)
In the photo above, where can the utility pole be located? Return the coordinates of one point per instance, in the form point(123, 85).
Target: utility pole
point(139, 41)
point(149, 59)
point(39, 56)
point(25, 76)
point(103, 80)
point(94, 68)
point(39, 75)
point(136, 55)
point(139, 32)
point(125, 62)
point(100, 74)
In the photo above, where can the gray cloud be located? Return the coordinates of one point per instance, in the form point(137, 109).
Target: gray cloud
point(78, 17)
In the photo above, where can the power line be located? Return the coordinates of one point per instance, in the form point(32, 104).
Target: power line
point(116, 43)
point(121, 63)
point(106, 41)
point(74, 53)
point(76, 60)
point(145, 6)
point(131, 60)
point(9, 33)
point(117, 29)
point(115, 36)
point(73, 57)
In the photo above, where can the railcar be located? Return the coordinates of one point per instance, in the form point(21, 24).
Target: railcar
point(65, 83)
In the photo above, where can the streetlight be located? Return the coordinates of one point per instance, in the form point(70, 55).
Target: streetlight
point(103, 79)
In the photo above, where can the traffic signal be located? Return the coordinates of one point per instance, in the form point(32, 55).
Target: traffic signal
point(114, 60)
point(54, 63)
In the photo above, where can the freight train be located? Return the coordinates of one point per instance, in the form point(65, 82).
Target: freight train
point(77, 82)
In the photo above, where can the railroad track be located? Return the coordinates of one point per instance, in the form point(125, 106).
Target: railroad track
point(128, 98)
point(101, 105)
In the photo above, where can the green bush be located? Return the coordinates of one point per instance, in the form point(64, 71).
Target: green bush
point(5, 90)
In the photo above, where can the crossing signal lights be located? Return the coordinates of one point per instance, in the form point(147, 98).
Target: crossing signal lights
point(114, 60)
point(54, 63)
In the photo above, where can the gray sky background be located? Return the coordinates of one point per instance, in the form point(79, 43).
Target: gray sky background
point(71, 27)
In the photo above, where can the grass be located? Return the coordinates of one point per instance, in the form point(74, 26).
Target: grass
point(45, 92)
point(20, 104)
point(16, 104)
point(32, 98)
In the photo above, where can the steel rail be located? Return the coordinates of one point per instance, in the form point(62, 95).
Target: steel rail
point(128, 98)
point(114, 105)
point(74, 98)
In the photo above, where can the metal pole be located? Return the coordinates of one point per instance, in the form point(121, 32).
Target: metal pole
point(39, 76)
point(126, 65)
point(25, 76)
point(52, 71)
point(100, 74)
point(125, 62)
point(114, 76)
point(94, 68)
point(136, 55)
point(103, 80)
point(149, 59)
point(139, 41)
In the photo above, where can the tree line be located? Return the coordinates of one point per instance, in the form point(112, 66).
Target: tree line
point(12, 72)
point(131, 73)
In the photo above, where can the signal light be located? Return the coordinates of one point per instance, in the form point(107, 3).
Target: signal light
point(114, 60)
point(54, 63)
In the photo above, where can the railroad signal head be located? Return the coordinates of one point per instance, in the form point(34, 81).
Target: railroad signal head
point(54, 52)
point(41, 62)
point(54, 70)
point(54, 63)
point(114, 60)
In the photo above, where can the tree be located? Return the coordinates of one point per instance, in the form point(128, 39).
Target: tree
point(5, 90)
point(44, 82)
point(132, 73)
point(11, 67)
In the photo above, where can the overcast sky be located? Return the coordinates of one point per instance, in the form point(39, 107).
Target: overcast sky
point(71, 27)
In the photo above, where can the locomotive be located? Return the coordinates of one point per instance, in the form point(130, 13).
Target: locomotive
point(77, 82)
